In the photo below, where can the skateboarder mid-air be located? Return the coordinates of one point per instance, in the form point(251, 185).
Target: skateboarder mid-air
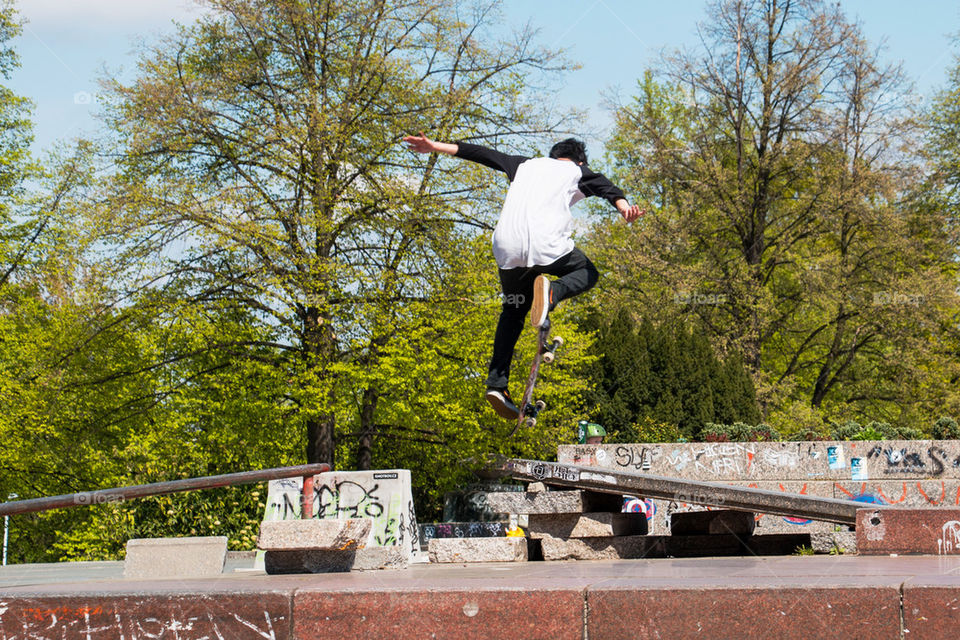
point(532, 240)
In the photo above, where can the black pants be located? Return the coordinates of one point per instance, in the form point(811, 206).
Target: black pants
point(576, 274)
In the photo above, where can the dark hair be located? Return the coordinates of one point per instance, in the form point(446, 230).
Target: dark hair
point(571, 148)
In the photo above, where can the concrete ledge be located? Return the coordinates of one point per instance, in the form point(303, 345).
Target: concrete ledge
point(478, 550)
point(303, 535)
point(175, 557)
point(586, 525)
point(883, 531)
point(603, 548)
point(479, 612)
point(797, 609)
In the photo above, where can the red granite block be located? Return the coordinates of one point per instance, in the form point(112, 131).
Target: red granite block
point(220, 615)
point(930, 606)
point(882, 531)
point(800, 610)
point(418, 613)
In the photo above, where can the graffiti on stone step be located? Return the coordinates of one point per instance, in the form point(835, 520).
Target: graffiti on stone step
point(347, 499)
point(135, 620)
point(462, 530)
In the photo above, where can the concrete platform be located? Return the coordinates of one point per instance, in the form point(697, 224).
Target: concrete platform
point(747, 597)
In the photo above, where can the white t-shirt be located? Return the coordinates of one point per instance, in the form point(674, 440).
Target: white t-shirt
point(536, 225)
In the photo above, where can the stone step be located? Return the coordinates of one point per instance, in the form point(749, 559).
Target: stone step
point(468, 550)
point(586, 525)
point(550, 502)
point(314, 534)
point(602, 548)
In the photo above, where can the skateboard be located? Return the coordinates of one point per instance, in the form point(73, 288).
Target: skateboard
point(546, 352)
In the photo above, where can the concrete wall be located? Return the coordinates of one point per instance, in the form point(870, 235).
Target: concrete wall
point(913, 473)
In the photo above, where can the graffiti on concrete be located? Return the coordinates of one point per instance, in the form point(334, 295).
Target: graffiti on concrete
point(133, 621)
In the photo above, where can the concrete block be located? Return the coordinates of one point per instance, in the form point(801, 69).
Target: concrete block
point(338, 535)
point(175, 557)
point(586, 525)
point(707, 522)
point(602, 548)
point(889, 530)
point(287, 561)
point(548, 502)
point(334, 561)
point(478, 550)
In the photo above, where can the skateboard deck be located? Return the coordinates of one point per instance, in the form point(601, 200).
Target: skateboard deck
point(546, 352)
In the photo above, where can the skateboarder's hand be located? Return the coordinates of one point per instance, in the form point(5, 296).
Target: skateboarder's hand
point(630, 212)
point(423, 144)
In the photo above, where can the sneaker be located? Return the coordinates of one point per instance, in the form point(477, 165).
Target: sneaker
point(542, 301)
point(502, 404)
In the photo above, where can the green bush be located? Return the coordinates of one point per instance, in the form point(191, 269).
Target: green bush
point(945, 428)
point(738, 432)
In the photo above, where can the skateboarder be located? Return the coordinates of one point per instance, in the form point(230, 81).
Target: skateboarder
point(532, 239)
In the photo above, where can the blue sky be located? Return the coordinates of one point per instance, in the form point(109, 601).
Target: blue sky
point(66, 44)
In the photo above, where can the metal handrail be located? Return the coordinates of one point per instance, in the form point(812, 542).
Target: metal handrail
point(119, 494)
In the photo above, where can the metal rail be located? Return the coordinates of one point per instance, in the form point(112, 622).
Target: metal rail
point(118, 494)
point(690, 491)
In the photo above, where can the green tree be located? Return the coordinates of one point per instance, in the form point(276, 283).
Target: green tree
point(261, 159)
point(784, 216)
point(665, 374)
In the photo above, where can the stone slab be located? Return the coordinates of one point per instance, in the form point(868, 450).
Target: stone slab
point(192, 557)
point(602, 548)
point(550, 502)
point(708, 522)
point(787, 609)
point(930, 607)
point(302, 535)
point(282, 562)
point(586, 525)
point(887, 530)
point(468, 550)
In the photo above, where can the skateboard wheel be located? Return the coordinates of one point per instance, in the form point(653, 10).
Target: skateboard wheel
point(557, 341)
point(541, 405)
point(548, 357)
point(531, 422)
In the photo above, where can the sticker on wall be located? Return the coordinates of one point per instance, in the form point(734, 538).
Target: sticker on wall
point(858, 470)
point(835, 457)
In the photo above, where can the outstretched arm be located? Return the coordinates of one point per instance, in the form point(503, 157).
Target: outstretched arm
point(473, 152)
point(423, 144)
point(596, 184)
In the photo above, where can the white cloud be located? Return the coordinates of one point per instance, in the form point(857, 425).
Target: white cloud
point(106, 14)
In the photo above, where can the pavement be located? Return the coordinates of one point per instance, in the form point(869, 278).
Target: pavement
point(743, 597)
